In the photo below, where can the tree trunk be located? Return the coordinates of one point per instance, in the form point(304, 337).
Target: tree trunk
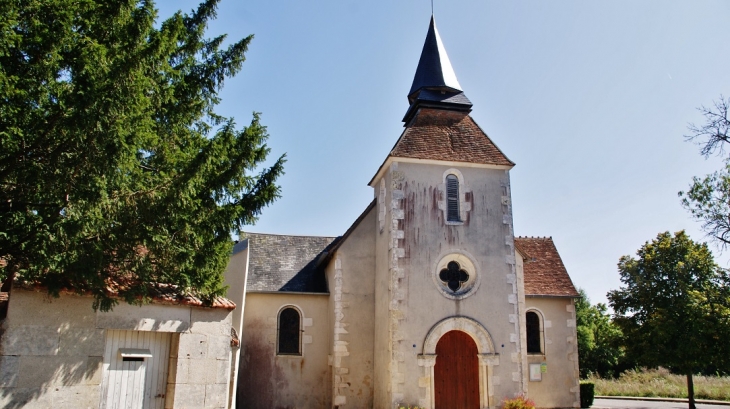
point(6, 287)
point(690, 390)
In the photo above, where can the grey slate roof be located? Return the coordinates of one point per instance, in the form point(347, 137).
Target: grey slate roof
point(287, 263)
point(447, 97)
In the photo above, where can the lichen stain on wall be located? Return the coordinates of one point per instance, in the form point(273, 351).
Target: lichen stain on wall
point(483, 202)
point(436, 196)
point(421, 208)
point(451, 235)
point(257, 372)
point(423, 215)
point(469, 198)
point(407, 204)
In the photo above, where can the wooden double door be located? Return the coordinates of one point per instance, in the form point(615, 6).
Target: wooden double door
point(456, 374)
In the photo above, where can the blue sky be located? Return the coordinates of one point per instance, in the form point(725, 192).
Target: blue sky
point(590, 99)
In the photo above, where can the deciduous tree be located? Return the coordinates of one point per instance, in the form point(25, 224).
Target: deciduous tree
point(117, 177)
point(674, 306)
point(599, 339)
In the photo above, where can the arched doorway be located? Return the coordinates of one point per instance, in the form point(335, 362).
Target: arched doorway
point(456, 373)
point(486, 357)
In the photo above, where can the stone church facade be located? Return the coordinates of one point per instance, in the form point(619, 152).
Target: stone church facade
point(427, 299)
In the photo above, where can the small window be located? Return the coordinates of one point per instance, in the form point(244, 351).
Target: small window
point(452, 198)
point(534, 336)
point(453, 276)
point(289, 333)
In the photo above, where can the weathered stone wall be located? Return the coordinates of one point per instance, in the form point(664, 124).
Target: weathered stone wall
point(559, 387)
point(51, 351)
point(383, 260)
point(200, 371)
point(352, 304)
point(410, 299)
point(236, 278)
point(267, 380)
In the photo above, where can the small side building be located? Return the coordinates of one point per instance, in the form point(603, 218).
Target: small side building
point(60, 353)
point(550, 344)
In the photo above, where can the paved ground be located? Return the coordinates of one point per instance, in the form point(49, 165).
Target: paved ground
point(642, 404)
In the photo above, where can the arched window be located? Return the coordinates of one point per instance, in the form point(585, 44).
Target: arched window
point(534, 335)
point(452, 199)
point(289, 334)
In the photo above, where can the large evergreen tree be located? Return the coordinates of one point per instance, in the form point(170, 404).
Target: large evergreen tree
point(116, 175)
point(674, 306)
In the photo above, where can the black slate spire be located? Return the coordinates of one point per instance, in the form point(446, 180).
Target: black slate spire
point(435, 84)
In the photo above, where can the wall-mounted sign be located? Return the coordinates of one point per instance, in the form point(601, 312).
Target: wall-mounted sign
point(543, 367)
point(535, 373)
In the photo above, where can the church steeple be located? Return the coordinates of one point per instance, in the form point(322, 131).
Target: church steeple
point(435, 84)
point(434, 68)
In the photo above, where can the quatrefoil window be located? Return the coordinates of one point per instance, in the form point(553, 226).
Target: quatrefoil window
point(454, 276)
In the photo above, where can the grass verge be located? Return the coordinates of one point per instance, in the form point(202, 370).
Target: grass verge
point(661, 383)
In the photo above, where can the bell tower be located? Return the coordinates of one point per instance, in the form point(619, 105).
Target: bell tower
point(446, 277)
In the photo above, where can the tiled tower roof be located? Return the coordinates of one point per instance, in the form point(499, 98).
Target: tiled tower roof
point(447, 135)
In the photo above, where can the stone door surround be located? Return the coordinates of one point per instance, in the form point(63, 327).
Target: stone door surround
point(485, 351)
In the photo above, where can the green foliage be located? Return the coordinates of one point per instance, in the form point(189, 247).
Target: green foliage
point(520, 402)
point(708, 200)
point(114, 168)
point(587, 392)
point(674, 307)
point(599, 339)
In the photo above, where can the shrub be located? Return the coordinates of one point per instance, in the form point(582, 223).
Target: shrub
point(520, 402)
point(587, 391)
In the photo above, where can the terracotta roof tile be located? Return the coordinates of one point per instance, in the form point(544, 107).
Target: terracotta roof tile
point(545, 274)
point(450, 136)
point(159, 294)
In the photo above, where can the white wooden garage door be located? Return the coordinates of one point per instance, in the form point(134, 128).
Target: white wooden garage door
point(135, 369)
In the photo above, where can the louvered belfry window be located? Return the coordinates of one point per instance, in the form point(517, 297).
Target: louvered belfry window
point(452, 199)
point(534, 341)
point(289, 333)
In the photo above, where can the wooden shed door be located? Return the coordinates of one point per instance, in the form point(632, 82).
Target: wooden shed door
point(456, 374)
point(127, 392)
point(138, 381)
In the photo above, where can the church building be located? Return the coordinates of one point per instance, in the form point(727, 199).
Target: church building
point(428, 299)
